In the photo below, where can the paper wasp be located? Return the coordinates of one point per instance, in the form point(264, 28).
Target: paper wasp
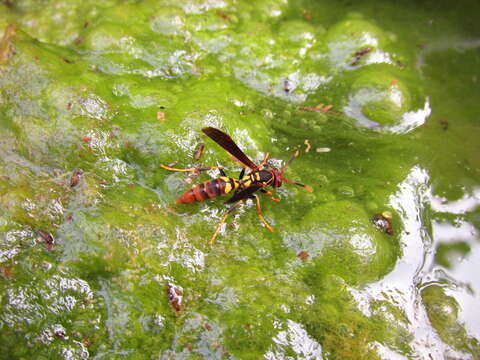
point(243, 188)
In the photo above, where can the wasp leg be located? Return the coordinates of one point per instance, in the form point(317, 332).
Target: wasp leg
point(219, 226)
point(259, 213)
point(194, 170)
point(270, 195)
point(221, 171)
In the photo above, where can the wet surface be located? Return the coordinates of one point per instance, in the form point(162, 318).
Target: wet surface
point(379, 262)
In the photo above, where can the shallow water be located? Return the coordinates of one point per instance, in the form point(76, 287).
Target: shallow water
point(95, 97)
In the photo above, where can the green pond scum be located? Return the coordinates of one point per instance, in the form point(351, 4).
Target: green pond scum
point(379, 262)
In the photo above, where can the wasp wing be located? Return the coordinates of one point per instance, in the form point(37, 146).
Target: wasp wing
point(228, 144)
point(244, 194)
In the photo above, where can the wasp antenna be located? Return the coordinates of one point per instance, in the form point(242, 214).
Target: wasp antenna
point(287, 164)
point(264, 161)
point(306, 187)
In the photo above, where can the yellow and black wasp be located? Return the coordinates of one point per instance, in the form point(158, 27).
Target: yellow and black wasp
point(244, 187)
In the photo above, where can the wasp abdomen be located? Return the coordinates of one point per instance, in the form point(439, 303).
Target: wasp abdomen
point(208, 190)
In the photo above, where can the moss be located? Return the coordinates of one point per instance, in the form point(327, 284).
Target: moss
point(391, 326)
point(119, 87)
point(343, 331)
point(343, 252)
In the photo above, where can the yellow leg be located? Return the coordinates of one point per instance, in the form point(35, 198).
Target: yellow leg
point(195, 170)
point(217, 230)
point(259, 213)
point(270, 195)
point(219, 226)
point(224, 219)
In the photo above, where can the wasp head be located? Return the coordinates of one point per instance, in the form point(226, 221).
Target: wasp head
point(277, 177)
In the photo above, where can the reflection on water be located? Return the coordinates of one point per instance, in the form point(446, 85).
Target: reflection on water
point(292, 337)
point(409, 121)
point(130, 273)
point(469, 202)
point(458, 44)
point(417, 269)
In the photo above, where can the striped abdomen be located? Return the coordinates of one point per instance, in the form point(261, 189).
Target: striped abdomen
point(208, 190)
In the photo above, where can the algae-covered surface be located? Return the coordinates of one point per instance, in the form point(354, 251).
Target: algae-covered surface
point(380, 261)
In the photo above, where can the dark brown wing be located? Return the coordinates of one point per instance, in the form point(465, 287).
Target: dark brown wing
point(228, 144)
point(244, 194)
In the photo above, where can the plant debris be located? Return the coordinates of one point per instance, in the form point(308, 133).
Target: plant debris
point(76, 177)
point(307, 143)
point(175, 296)
point(383, 222)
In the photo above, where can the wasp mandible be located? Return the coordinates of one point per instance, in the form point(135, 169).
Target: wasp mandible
point(244, 187)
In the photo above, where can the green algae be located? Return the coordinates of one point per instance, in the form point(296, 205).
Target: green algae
point(118, 88)
point(447, 254)
point(443, 311)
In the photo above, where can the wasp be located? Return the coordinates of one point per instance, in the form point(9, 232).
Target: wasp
point(243, 188)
